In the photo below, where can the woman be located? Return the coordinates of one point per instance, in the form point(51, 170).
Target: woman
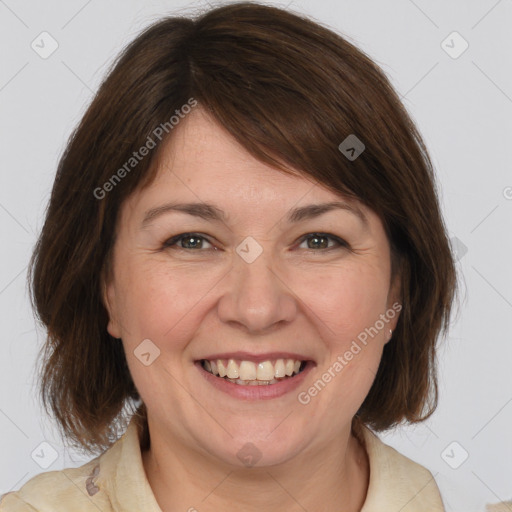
point(243, 259)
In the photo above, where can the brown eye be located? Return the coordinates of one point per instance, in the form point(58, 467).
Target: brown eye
point(321, 241)
point(185, 241)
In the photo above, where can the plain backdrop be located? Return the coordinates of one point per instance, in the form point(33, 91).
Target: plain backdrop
point(461, 100)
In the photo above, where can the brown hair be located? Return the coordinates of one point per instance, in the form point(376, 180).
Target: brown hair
point(290, 91)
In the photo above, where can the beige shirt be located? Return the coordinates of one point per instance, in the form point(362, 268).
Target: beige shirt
point(116, 481)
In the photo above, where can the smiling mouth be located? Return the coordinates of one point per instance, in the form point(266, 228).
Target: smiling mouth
point(249, 373)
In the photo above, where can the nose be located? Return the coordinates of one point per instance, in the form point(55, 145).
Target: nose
point(257, 298)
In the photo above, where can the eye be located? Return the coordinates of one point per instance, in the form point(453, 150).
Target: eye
point(321, 241)
point(195, 241)
point(192, 241)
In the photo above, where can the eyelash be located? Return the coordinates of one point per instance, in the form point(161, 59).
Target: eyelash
point(171, 242)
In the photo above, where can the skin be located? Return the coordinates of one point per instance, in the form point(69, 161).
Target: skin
point(296, 296)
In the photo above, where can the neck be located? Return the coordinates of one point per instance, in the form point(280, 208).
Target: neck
point(329, 478)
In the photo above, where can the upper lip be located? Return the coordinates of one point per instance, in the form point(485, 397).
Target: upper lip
point(257, 358)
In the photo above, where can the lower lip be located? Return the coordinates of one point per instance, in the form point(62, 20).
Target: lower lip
point(260, 392)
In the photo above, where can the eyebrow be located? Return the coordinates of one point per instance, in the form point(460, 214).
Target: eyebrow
point(210, 212)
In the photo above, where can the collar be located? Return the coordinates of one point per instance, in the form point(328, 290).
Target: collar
point(396, 482)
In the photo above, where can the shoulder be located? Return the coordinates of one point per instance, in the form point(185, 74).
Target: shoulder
point(397, 481)
point(67, 489)
point(115, 478)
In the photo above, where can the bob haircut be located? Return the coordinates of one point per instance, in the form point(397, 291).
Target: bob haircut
point(289, 91)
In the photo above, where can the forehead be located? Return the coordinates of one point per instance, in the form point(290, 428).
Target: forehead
point(202, 162)
point(202, 158)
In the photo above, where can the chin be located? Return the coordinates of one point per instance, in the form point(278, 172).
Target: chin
point(258, 450)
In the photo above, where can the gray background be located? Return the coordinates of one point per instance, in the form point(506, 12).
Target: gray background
point(463, 108)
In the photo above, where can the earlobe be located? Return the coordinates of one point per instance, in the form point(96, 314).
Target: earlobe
point(393, 314)
point(113, 330)
point(394, 305)
point(109, 301)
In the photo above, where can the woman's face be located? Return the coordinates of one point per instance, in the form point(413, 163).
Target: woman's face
point(256, 281)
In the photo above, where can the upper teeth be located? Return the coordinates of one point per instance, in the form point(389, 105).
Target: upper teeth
point(248, 370)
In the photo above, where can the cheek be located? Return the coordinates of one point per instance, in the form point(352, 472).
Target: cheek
point(159, 302)
point(347, 300)
point(346, 304)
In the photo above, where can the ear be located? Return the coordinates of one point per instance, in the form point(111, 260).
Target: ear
point(394, 304)
point(109, 300)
